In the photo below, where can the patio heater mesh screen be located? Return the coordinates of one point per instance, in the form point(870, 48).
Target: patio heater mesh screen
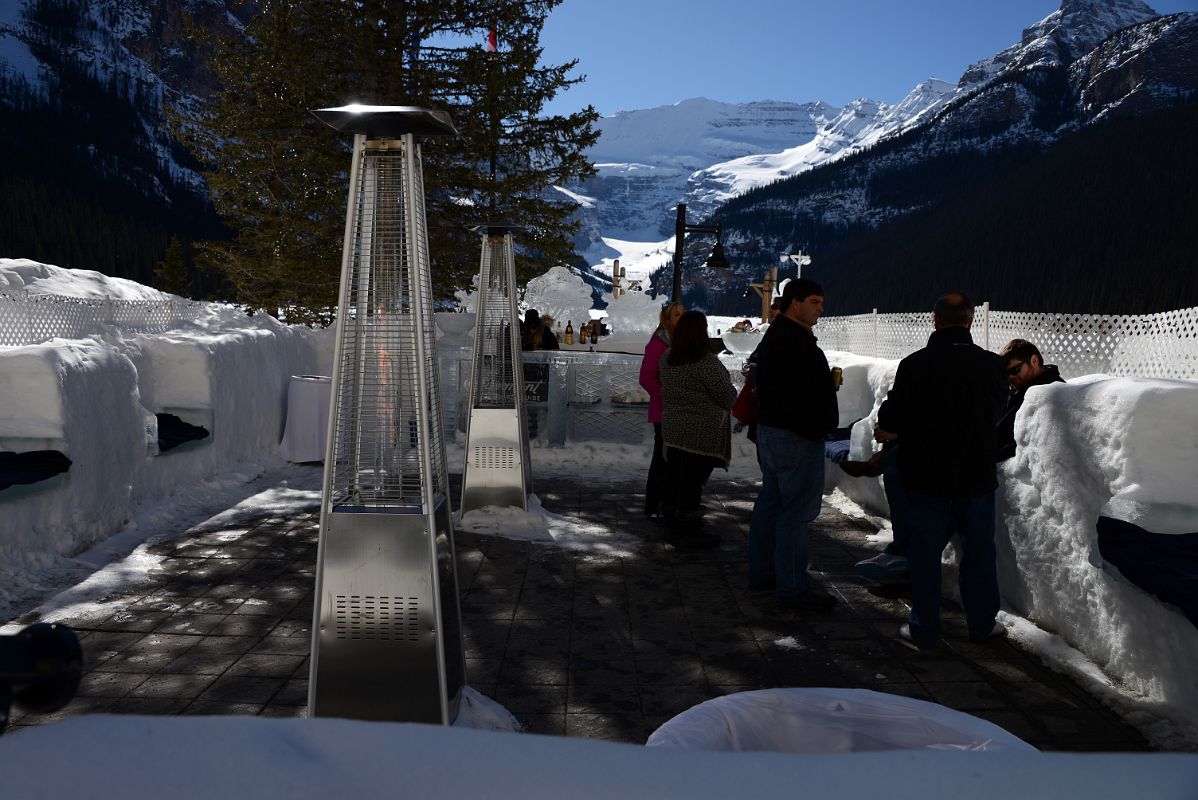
point(387, 345)
point(496, 329)
point(386, 642)
point(497, 465)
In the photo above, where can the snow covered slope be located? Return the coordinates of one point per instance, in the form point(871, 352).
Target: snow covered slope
point(645, 157)
point(859, 124)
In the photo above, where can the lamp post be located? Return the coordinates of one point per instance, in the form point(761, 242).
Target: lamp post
point(714, 261)
point(765, 290)
point(800, 260)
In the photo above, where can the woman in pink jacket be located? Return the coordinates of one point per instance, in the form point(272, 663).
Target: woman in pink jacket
point(651, 382)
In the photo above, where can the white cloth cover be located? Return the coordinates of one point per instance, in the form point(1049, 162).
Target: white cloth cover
point(828, 721)
point(306, 431)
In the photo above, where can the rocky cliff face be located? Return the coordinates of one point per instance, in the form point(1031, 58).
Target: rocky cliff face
point(1065, 35)
point(1139, 68)
point(78, 56)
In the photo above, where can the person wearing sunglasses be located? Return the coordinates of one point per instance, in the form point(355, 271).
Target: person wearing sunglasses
point(1025, 368)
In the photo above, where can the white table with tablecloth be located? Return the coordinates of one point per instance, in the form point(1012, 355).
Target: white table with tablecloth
point(306, 431)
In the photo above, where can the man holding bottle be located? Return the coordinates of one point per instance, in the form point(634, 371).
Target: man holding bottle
point(797, 407)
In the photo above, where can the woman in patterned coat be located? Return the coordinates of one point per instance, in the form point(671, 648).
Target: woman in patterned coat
point(697, 396)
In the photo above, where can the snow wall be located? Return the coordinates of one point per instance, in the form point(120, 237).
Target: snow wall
point(95, 398)
point(1125, 447)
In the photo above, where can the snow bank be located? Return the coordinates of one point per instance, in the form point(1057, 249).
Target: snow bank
point(146, 758)
point(1125, 447)
point(95, 400)
point(21, 274)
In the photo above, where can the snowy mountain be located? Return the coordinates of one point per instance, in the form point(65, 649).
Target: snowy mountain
point(644, 158)
point(1062, 37)
point(859, 124)
point(1036, 94)
point(642, 154)
point(704, 152)
point(964, 175)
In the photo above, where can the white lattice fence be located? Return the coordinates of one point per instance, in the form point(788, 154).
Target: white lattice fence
point(902, 334)
point(1079, 344)
point(1163, 345)
point(29, 318)
point(853, 334)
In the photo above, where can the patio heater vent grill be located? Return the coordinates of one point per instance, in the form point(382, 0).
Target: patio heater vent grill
point(386, 636)
point(497, 469)
point(395, 618)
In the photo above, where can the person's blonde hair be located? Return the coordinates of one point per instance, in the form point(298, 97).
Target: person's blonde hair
point(663, 319)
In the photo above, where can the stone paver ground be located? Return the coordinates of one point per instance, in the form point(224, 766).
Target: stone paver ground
point(572, 643)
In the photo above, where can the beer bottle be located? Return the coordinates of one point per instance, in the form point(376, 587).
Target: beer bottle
point(569, 332)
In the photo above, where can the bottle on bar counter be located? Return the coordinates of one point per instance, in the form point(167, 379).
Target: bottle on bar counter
point(582, 334)
point(569, 332)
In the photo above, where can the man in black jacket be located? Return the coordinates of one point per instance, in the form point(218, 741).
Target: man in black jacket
point(796, 401)
point(943, 406)
point(1025, 368)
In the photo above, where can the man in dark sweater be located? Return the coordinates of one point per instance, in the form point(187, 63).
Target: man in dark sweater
point(796, 400)
point(1025, 368)
point(943, 406)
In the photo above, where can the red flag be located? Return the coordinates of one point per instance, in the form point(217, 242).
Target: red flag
point(492, 40)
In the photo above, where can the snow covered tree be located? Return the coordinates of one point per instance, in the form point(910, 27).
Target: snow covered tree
point(278, 176)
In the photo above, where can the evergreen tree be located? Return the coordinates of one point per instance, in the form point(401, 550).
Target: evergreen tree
point(171, 272)
point(278, 176)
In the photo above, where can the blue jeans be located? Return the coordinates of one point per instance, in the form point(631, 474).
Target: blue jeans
point(932, 522)
point(792, 485)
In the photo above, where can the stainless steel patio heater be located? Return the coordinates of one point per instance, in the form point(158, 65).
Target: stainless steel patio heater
point(497, 469)
point(386, 639)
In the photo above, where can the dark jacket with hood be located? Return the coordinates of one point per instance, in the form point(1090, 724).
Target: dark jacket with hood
point(944, 404)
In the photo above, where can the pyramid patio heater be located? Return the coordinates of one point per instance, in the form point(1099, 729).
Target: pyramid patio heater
point(386, 639)
point(497, 460)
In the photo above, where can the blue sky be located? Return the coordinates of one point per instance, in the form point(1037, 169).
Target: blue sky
point(645, 53)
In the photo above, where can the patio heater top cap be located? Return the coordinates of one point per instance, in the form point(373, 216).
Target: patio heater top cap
point(499, 228)
point(387, 122)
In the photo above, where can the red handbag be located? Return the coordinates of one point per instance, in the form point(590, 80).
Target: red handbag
point(745, 407)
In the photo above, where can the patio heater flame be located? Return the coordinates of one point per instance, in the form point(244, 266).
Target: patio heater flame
point(386, 639)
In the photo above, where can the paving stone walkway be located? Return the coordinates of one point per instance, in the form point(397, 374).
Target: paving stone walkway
point(571, 642)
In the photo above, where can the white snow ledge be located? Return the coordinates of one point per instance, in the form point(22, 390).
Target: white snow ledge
point(147, 758)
